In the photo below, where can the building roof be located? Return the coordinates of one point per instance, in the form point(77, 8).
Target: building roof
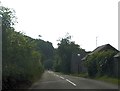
point(117, 55)
point(102, 48)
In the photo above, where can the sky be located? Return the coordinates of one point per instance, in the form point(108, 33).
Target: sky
point(84, 20)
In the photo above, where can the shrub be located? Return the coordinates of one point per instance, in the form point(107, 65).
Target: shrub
point(100, 63)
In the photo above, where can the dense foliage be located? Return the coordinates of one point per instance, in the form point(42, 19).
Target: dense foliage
point(63, 54)
point(22, 59)
point(100, 63)
point(47, 51)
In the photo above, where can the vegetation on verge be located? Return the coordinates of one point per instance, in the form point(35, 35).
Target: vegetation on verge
point(23, 57)
point(108, 79)
point(100, 63)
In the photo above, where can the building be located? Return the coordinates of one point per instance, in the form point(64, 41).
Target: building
point(100, 49)
point(115, 61)
point(104, 48)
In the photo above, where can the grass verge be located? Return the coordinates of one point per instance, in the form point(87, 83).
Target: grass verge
point(108, 79)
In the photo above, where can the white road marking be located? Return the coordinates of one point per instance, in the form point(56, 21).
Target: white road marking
point(62, 77)
point(71, 82)
point(57, 75)
point(50, 72)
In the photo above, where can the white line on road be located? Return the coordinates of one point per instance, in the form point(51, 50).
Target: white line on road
point(71, 82)
point(62, 77)
point(57, 75)
point(50, 72)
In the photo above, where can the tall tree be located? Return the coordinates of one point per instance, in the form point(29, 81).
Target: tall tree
point(47, 50)
point(66, 48)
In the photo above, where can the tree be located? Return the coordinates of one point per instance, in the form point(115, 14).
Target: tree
point(47, 50)
point(66, 48)
point(21, 62)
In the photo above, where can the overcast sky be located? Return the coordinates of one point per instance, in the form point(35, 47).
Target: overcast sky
point(83, 19)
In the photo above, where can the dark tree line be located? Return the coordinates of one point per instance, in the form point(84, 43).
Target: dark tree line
point(47, 50)
point(63, 54)
point(23, 57)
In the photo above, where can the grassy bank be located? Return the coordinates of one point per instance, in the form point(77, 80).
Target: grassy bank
point(108, 79)
point(103, 78)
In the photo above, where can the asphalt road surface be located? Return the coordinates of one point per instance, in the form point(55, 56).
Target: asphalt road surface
point(52, 80)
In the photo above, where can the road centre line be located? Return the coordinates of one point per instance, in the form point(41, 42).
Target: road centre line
point(71, 82)
point(62, 77)
point(57, 75)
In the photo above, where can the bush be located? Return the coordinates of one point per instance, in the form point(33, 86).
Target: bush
point(21, 62)
point(100, 63)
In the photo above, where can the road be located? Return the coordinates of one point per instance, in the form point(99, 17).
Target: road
point(52, 80)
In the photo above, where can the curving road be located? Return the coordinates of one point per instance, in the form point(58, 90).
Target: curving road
point(52, 80)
